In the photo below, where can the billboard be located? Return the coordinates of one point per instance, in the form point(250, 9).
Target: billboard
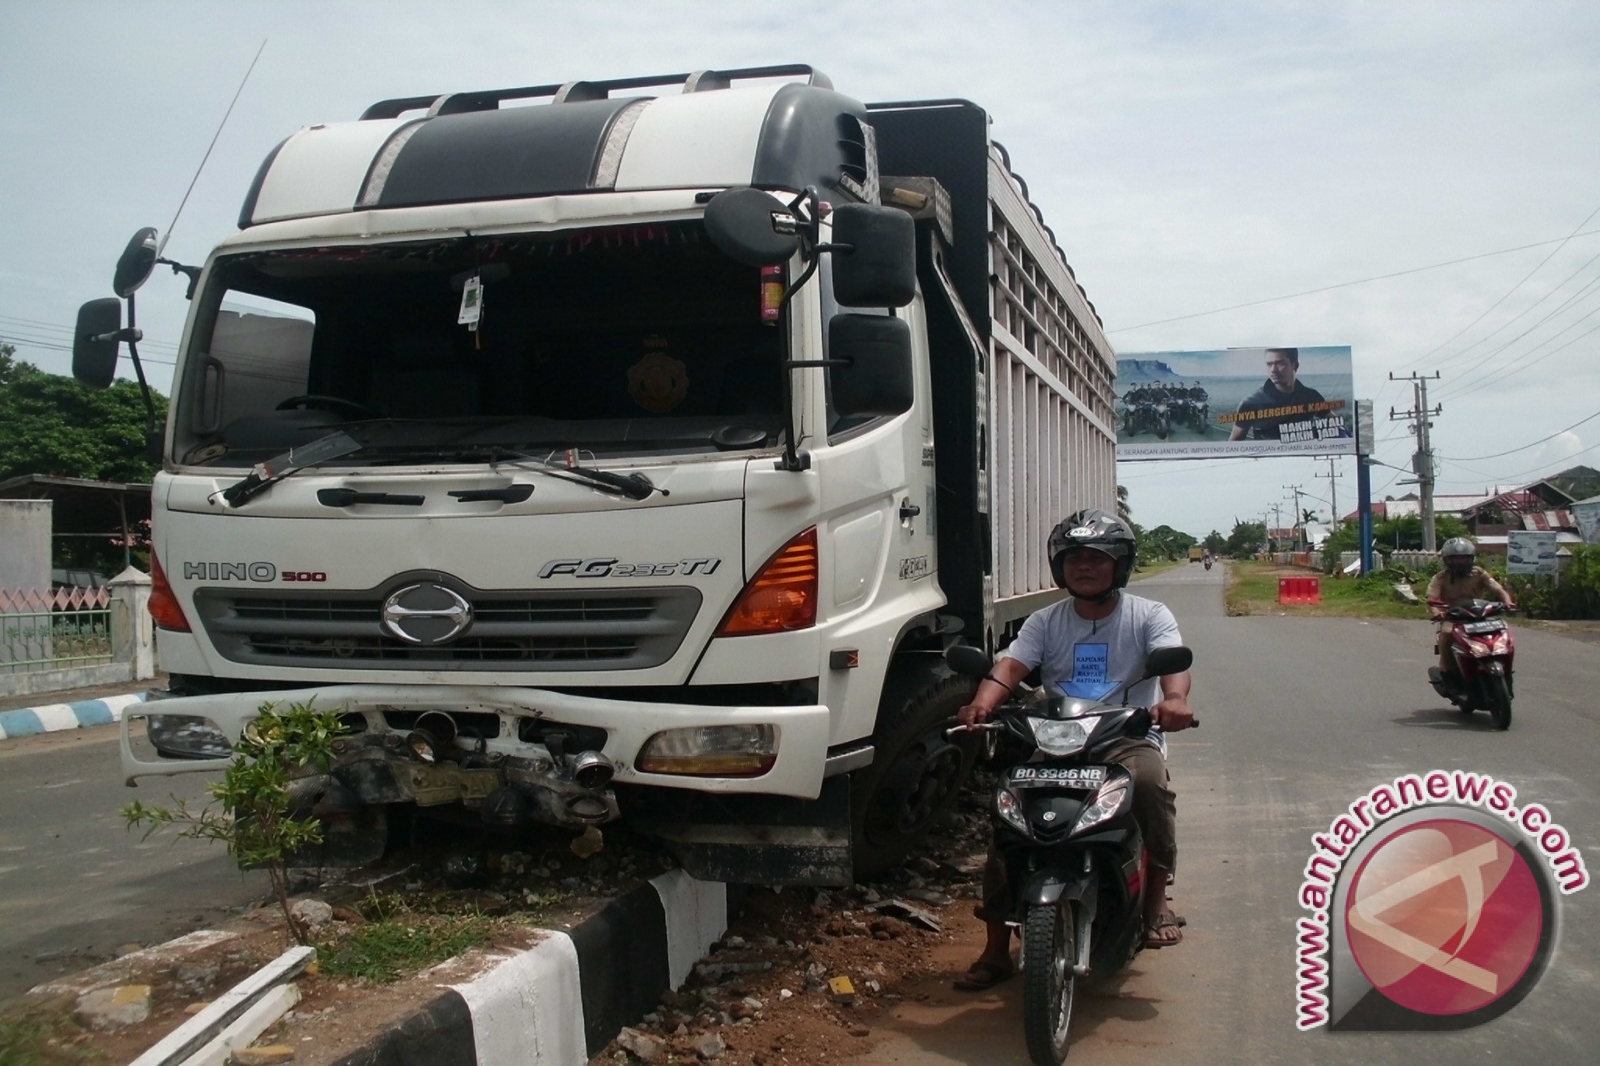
point(1531, 552)
point(1235, 401)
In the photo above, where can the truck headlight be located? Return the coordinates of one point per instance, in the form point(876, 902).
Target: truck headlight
point(187, 736)
point(711, 751)
point(1057, 737)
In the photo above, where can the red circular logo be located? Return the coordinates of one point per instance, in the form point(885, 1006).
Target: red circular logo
point(1444, 917)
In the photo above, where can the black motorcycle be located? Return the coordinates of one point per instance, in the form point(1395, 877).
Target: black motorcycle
point(1075, 860)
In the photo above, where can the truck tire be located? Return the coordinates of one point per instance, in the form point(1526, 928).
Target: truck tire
point(916, 773)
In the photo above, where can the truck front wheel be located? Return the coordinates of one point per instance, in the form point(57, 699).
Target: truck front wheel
point(916, 773)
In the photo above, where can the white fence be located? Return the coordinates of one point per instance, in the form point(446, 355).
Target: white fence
point(72, 638)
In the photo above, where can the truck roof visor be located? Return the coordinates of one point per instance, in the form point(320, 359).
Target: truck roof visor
point(496, 155)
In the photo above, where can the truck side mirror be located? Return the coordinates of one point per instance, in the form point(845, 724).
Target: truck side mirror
point(874, 375)
point(95, 342)
point(750, 227)
point(880, 269)
point(138, 259)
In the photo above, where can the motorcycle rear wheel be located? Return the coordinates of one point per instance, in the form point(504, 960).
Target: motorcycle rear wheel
point(1049, 950)
point(1499, 702)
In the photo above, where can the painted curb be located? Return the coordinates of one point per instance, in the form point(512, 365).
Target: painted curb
point(51, 717)
point(564, 999)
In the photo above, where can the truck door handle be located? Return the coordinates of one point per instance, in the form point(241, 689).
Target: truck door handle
point(347, 497)
point(908, 511)
point(509, 494)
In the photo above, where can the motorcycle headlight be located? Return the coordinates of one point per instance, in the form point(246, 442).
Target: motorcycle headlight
point(1107, 802)
point(1009, 808)
point(1057, 737)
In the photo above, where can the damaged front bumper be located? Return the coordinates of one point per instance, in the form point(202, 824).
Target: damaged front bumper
point(514, 754)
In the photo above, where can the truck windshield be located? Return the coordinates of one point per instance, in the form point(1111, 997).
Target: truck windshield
point(621, 341)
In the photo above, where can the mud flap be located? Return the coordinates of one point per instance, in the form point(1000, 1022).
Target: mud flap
point(744, 839)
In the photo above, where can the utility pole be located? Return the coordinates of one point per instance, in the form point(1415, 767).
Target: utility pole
point(1297, 517)
point(1420, 416)
point(1333, 487)
point(1277, 520)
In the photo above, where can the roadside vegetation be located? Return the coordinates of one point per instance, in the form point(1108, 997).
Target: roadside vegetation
point(45, 1038)
point(1253, 589)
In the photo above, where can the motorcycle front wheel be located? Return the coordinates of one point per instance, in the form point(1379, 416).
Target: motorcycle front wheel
point(1049, 951)
point(1499, 701)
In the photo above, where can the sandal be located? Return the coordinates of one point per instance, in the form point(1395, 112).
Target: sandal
point(1157, 936)
point(983, 975)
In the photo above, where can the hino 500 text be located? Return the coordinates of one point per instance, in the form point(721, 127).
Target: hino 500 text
point(625, 455)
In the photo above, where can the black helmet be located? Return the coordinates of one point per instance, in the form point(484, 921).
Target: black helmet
point(1458, 555)
point(1093, 528)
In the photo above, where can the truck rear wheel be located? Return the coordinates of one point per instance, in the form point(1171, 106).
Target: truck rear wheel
point(916, 773)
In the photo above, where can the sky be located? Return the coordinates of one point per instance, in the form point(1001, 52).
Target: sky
point(1415, 180)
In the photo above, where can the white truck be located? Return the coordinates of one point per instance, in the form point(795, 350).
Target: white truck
point(622, 448)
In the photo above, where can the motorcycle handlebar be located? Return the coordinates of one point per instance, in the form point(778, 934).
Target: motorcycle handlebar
point(992, 724)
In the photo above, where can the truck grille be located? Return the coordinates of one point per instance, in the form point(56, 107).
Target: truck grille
point(514, 630)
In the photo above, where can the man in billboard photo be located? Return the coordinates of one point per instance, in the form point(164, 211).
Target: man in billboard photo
point(1282, 389)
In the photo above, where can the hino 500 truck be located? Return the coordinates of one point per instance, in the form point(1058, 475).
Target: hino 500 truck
point(618, 449)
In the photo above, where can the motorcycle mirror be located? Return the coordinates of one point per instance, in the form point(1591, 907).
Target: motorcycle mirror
point(1164, 661)
point(967, 660)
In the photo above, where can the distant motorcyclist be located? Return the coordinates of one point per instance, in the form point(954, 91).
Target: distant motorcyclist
point(1458, 582)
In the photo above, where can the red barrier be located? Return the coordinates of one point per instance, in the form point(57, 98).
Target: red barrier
point(1293, 590)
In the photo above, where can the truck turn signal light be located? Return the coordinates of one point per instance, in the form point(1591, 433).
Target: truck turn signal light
point(782, 597)
point(164, 607)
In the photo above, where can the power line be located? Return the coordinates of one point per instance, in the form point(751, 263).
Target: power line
point(1568, 302)
point(1358, 281)
point(1525, 447)
point(1562, 244)
point(1523, 362)
point(1543, 466)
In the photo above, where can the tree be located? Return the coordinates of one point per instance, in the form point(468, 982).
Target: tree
point(1164, 542)
point(258, 819)
point(1246, 539)
point(1216, 542)
point(50, 424)
point(1390, 534)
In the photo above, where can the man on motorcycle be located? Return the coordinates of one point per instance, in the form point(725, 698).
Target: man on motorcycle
point(1092, 644)
point(1460, 580)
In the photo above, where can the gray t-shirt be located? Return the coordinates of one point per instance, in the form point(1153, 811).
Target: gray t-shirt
point(1094, 659)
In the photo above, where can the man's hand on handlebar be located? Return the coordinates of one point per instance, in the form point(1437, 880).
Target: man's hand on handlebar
point(1173, 714)
point(974, 714)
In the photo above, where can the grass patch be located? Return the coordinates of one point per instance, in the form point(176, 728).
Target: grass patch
point(399, 938)
point(53, 1039)
point(1253, 589)
point(1148, 569)
point(403, 933)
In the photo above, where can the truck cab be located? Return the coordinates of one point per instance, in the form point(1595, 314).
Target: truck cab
point(623, 455)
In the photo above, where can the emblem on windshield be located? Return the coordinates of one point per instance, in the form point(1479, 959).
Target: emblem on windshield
point(426, 614)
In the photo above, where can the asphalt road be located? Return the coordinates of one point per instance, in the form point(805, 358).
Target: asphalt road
point(1301, 716)
point(75, 885)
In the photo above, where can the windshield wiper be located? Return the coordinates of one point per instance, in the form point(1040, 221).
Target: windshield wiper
point(264, 475)
point(634, 486)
